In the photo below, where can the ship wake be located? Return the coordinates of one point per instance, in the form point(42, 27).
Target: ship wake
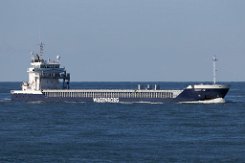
point(213, 101)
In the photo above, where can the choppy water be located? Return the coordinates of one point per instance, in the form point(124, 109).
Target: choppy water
point(89, 132)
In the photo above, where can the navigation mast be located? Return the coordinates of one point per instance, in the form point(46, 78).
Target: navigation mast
point(41, 50)
point(214, 69)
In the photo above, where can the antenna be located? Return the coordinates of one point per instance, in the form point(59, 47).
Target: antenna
point(41, 49)
point(214, 69)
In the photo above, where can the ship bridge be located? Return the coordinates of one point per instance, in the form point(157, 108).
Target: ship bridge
point(46, 74)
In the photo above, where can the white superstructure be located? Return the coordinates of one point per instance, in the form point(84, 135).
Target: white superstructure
point(45, 74)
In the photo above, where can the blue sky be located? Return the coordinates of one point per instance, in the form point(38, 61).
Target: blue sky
point(126, 40)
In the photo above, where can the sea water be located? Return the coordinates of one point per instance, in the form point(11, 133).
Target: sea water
point(132, 132)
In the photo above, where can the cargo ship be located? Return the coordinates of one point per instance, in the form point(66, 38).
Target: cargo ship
point(50, 82)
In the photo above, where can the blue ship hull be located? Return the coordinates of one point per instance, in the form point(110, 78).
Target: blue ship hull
point(203, 94)
point(185, 95)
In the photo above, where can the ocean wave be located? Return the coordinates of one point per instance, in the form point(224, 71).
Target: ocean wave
point(35, 102)
point(5, 100)
point(75, 102)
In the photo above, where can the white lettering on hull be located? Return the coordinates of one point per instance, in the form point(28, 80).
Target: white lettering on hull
point(106, 100)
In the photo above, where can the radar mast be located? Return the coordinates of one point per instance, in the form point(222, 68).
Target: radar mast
point(41, 50)
point(214, 69)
